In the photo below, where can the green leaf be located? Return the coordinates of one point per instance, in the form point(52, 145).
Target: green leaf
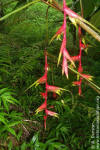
point(12, 131)
point(11, 124)
point(23, 146)
point(2, 119)
point(95, 19)
point(5, 104)
point(17, 10)
point(88, 7)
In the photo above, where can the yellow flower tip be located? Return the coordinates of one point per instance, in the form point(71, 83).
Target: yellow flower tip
point(50, 1)
point(56, 115)
point(62, 101)
point(73, 20)
point(62, 72)
point(58, 92)
point(73, 84)
point(38, 110)
point(59, 57)
point(67, 77)
point(58, 37)
point(91, 78)
point(73, 64)
point(52, 39)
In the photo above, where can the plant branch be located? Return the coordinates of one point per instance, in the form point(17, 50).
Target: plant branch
point(17, 10)
point(89, 30)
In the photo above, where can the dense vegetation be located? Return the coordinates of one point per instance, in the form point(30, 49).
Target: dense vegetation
point(23, 39)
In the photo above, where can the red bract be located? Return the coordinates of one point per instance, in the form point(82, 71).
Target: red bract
point(55, 89)
point(75, 58)
point(63, 45)
point(83, 46)
point(42, 107)
point(66, 54)
point(58, 33)
point(78, 83)
point(40, 81)
point(65, 67)
point(51, 113)
point(60, 30)
point(89, 77)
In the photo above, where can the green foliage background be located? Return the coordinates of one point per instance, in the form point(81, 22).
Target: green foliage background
point(23, 39)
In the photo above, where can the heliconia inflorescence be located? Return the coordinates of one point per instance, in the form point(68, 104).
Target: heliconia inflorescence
point(78, 58)
point(48, 88)
point(66, 58)
point(64, 52)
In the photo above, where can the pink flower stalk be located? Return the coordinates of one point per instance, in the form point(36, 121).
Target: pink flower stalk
point(46, 64)
point(55, 89)
point(80, 69)
point(51, 113)
point(71, 13)
point(42, 107)
point(79, 90)
point(78, 83)
point(45, 118)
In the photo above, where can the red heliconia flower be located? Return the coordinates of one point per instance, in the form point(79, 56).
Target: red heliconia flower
point(66, 54)
point(55, 89)
point(89, 77)
point(65, 67)
point(45, 118)
point(43, 95)
point(83, 46)
point(77, 83)
point(42, 107)
point(51, 113)
point(75, 58)
point(60, 30)
point(40, 81)
point(58, 33)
